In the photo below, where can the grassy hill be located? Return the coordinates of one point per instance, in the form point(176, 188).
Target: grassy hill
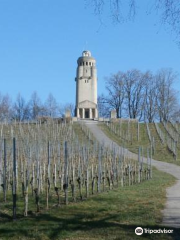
point(126, 134)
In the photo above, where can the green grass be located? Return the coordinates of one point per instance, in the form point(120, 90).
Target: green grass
point(78, 131)
point(109, 215)
point(82, 136)
point(161, 151)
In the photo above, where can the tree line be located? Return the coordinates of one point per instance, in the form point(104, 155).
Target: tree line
point(141, 95)
point(133, 94)
point(22, 110)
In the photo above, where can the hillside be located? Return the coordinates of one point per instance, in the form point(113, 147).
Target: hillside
point(126, 134)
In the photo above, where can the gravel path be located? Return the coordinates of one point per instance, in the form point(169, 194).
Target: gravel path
point(171, 213)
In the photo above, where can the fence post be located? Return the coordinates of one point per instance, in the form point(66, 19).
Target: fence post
point(139, 156)
point(14, 179)
point(48, 178)
point(65, 186)
point(5, 172)
point(138, 131)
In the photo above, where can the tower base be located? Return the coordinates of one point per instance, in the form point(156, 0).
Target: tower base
point(86, 113)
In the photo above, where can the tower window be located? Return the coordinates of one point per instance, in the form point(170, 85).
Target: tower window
point(86, 63)
point(90, 63)
point(86, 70)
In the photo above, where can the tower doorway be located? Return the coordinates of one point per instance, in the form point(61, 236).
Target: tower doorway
point(86, 113)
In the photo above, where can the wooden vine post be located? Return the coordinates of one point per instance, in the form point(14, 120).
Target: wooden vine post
point(48, 178)
point(138, 131)
point(26, 186)
point(1, 168)
point(139, 157)
point(73, 183)
point(99, 170)
point(92, 179)
point(14, 179)
point(5, 173)
point(87, 175)
point(65, 185)
point(151, 163)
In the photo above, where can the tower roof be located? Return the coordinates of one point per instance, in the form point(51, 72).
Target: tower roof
point(86, 56)
point(86, 53)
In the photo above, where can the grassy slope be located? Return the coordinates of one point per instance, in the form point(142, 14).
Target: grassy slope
point(161, 152)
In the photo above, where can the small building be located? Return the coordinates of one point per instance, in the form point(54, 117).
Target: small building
point(86, 87)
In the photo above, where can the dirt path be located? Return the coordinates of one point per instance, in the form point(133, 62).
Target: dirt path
point(171, 213)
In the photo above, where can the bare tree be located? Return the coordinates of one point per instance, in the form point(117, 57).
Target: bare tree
point(115, 93)
point(5, 108)
point(141, 95)
point(134, 84)
point(170, 14)
point(121, 11)
point(103, 106)
point(167, 102)
point(51, 106)
point(21, 110)
point(36, 107)
point(117, 8)
point(150, 98)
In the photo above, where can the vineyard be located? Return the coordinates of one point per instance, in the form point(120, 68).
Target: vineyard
point(161, 139)
point(56, 164)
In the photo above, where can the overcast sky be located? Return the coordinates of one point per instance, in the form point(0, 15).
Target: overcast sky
point(40, 41)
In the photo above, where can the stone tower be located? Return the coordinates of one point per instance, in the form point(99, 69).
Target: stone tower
point(86, 87)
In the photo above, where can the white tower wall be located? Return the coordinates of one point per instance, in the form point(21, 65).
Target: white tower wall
point(86, 87)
